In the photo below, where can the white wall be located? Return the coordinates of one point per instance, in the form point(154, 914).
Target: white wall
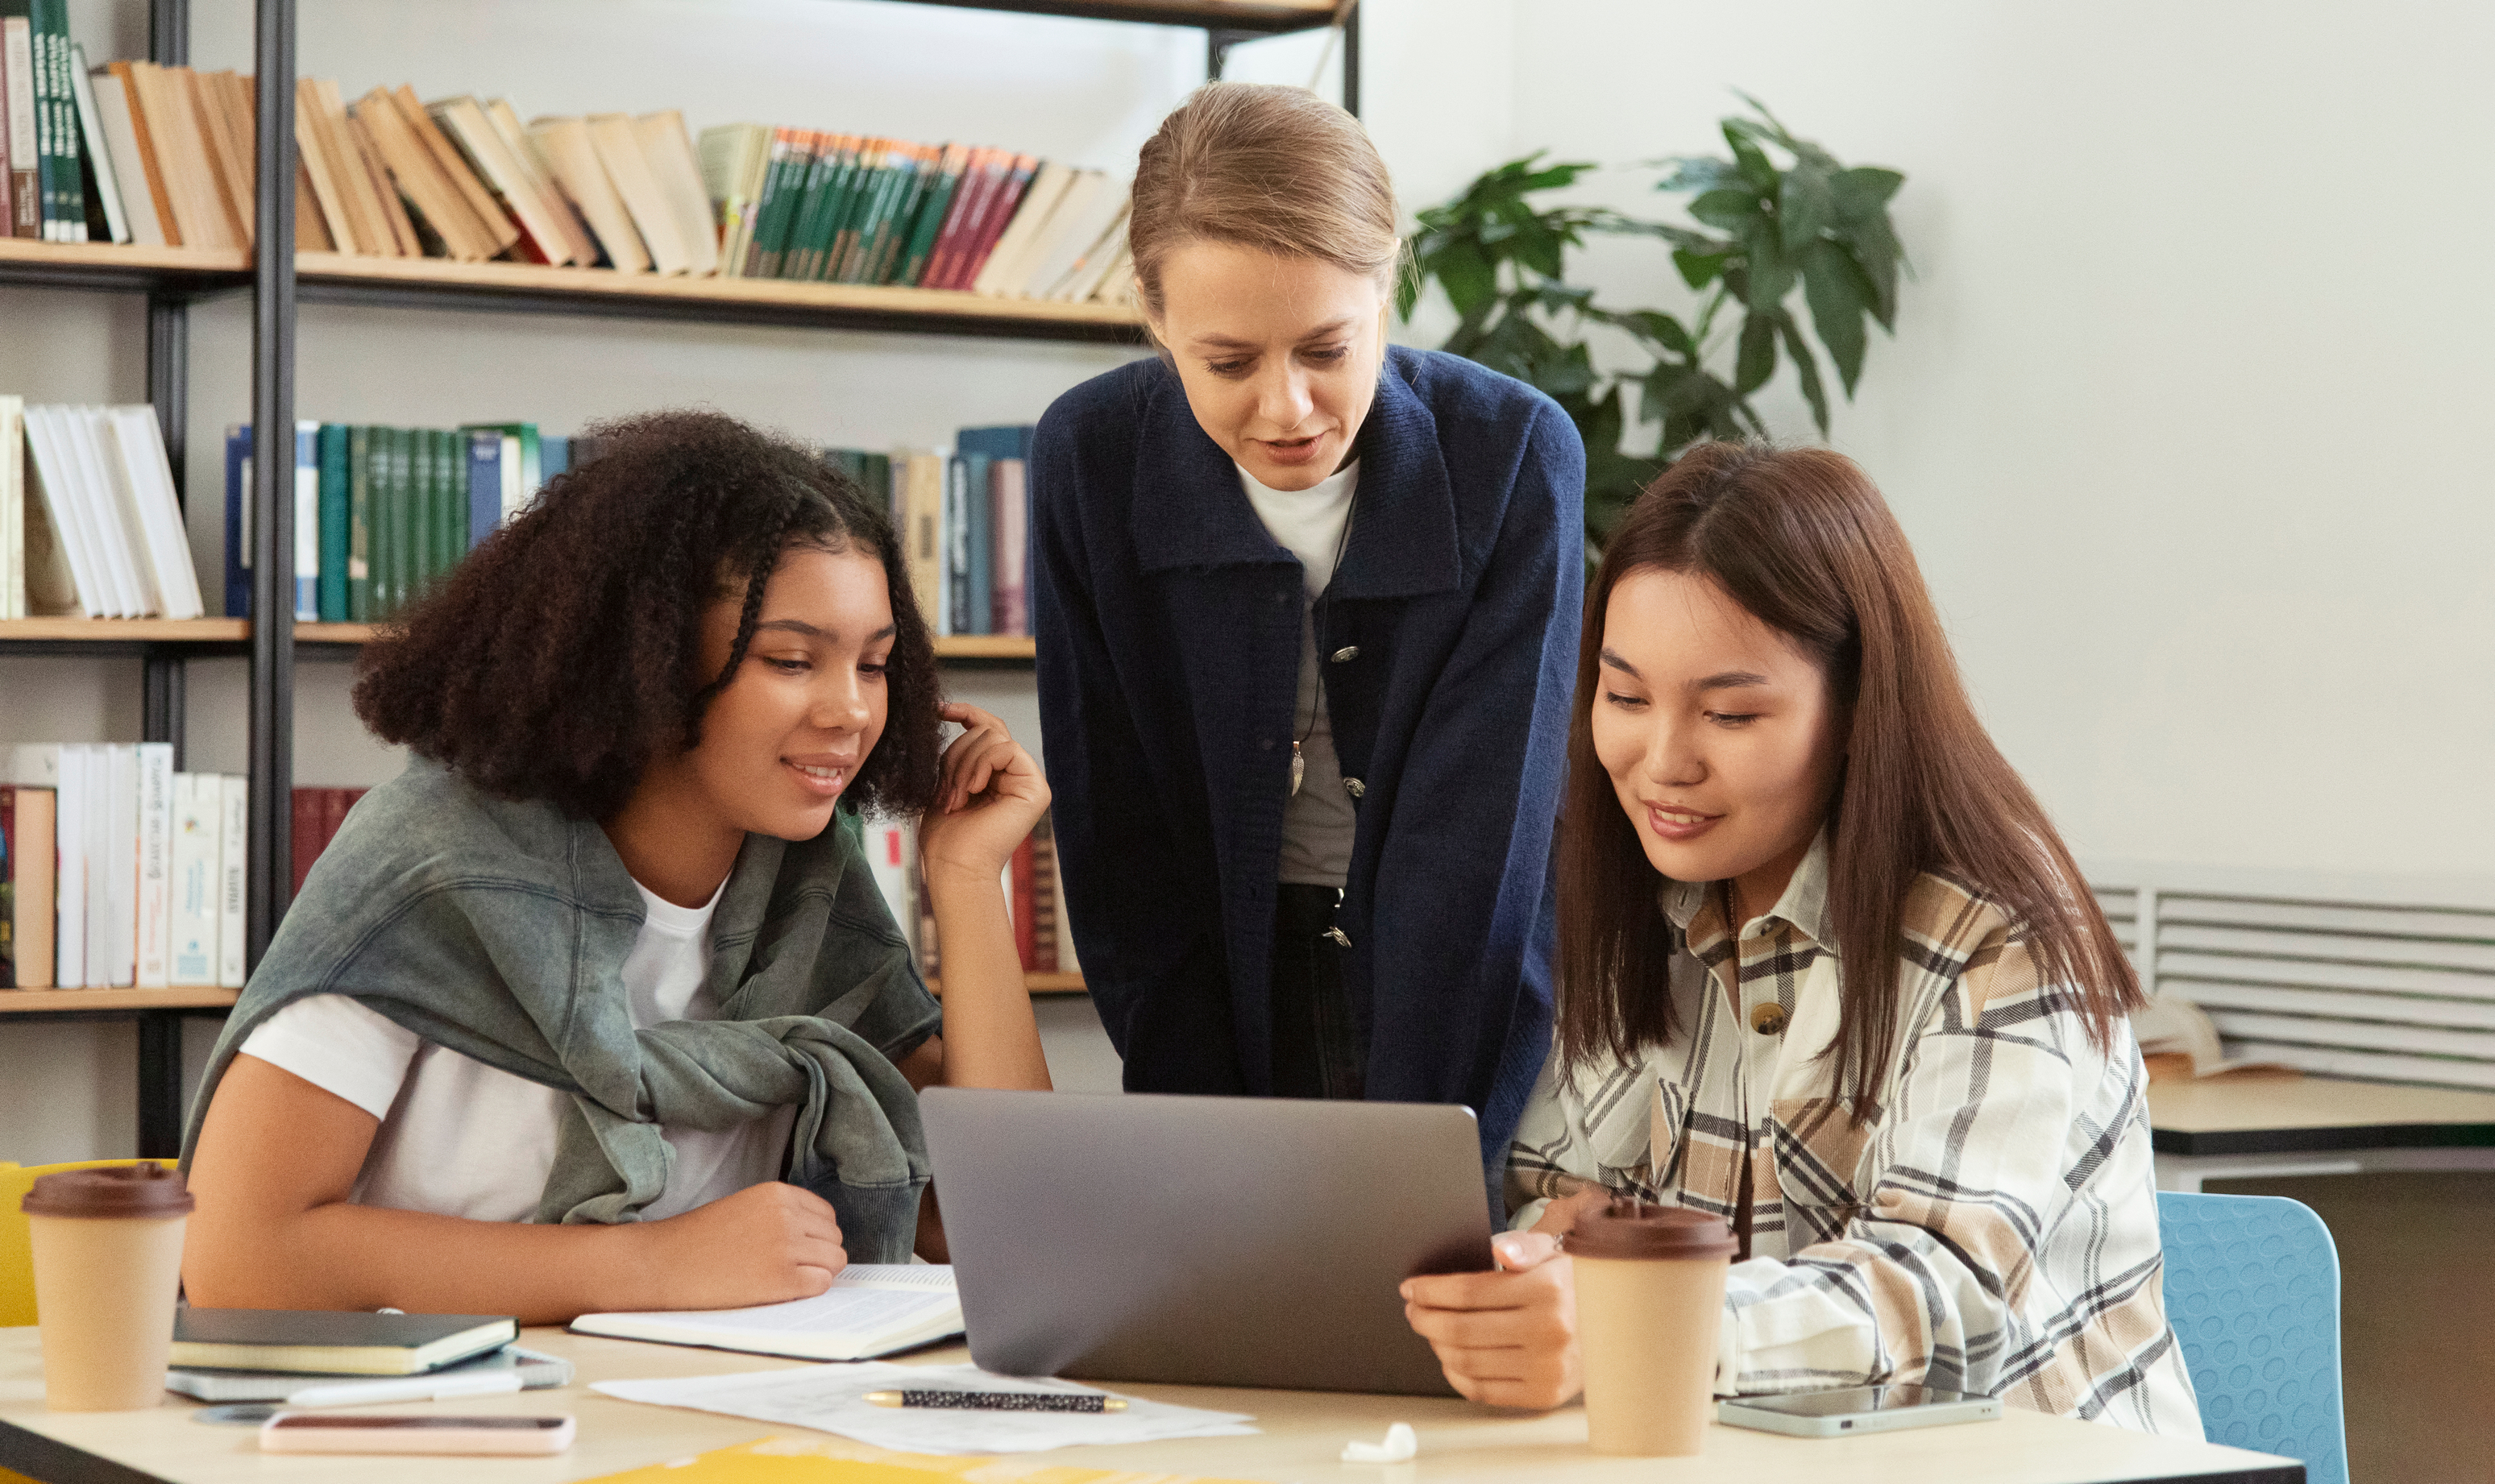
point(2178, 411)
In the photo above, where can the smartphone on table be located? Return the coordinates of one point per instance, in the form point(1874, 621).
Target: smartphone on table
point(1856, 1409)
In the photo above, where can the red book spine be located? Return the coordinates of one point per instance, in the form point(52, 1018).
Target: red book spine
point(962, 217)
point(304, 833)
point(8, 824)
point(1013, 177)
point(1026, 923)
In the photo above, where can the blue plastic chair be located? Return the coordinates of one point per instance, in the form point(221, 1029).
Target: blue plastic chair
point(2252, 1287)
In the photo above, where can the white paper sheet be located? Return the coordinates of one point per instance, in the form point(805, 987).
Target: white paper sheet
point(830, 1397)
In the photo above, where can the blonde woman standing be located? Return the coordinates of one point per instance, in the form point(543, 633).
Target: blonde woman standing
point(1307, 604)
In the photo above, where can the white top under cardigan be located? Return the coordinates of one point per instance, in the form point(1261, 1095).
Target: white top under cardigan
point(461, 1138)
point(1317, 822)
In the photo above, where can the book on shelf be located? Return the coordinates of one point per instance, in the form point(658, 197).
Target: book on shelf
point(89, 523)
point(316, 816)
point(117, 868)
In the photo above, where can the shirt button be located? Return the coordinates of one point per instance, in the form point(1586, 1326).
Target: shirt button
point(1354, 787)
point(1767, 1020)
point(1346, 653)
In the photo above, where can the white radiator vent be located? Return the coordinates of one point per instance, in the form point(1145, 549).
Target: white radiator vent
point(2347, 982)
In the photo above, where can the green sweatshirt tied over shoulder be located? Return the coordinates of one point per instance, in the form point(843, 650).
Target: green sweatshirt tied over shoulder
point(499, 929)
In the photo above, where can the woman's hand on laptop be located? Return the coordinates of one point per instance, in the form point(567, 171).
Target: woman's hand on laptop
point(766, 1244)
point(1505, 1338)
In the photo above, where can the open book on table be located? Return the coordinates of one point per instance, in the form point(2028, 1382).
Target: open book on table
point(869, 1311)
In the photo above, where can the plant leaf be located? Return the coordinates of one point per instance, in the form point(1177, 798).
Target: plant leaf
point(1732, 209)
point(1805, 367)
point(1652, 326)
point(1839, 296)
point(1876, 251)
point(1757, 361)
point(1697, 270)
point(1860, 192)
point(1469, 277)
point(1770, 271)
point(1752, 161)
point(1696, 173)
point(1803, 207)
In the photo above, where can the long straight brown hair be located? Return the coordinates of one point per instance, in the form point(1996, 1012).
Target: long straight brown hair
point(1804, 543)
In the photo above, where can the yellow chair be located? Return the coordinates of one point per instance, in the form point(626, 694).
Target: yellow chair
point(17, 1252)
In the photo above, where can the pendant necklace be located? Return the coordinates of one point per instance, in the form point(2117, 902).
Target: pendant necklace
point(1316, 621)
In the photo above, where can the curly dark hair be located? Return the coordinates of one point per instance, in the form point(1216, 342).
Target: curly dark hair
point(562, 656)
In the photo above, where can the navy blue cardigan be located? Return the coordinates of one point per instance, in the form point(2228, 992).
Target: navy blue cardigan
point(1168, 624)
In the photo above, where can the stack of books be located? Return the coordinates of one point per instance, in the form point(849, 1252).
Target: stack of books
point(381, 514)
point(89, 523)
point(162, 156)
point(119, 872)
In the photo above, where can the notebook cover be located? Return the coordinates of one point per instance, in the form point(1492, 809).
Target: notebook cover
point(330, 1341)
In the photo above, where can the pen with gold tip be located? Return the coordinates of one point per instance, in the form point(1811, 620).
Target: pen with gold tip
point(1001, 1401)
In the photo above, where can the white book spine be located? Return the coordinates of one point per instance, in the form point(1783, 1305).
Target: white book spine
point(117, 949)
point(307, 523)
point(197, 820)
point(155, 864)
point(69, 893)
point(13, 507)
point(234, 856)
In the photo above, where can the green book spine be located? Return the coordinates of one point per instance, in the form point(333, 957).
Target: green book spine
point(847, 184)
point(874, 176)
point(878, 238)
point(449, 501)
point(360, 525)
point(783, 185)
point(331, 445)
point(406, 557)
point(807, 179)
point(385, 528)
point(931, 207)
point(816, 221)
point(427, 474)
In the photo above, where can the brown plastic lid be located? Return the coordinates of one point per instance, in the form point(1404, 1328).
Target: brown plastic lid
point(143, 1190)
point(1635, 1229)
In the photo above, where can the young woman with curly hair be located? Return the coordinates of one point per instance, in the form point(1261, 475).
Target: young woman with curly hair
point(1825, 971)
point(594, 1007)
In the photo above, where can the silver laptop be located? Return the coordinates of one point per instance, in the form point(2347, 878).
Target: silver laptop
point(1209, 1241)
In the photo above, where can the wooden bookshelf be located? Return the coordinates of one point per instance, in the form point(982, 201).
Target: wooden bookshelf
point(19, 1002)
point(441, 284)
point(988, 646)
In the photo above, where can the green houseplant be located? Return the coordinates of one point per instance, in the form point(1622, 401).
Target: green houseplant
point(1764, 231)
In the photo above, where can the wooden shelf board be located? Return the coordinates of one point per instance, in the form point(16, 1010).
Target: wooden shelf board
point(1036, 984)
point(334, 633)
point(126, 630)
point(179, 997)
point(1269, 17)
point(605, 290)
point(984, 647)
point(105, 266)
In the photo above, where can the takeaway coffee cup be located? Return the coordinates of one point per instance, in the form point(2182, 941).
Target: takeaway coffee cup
point(1649, 1303)
point(107, 1263)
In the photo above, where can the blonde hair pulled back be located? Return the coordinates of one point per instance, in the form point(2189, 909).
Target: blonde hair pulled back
point(1274, 169)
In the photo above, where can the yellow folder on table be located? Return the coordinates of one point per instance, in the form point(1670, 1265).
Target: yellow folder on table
point(837, 1461)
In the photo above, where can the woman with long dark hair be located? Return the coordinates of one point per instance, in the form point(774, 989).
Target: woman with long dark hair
point(1825, 971)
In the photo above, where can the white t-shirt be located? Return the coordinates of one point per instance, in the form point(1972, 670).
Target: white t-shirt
point(461, 1138)
point(1317, 822)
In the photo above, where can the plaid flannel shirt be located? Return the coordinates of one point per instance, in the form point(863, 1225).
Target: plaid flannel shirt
point(1992, 1228)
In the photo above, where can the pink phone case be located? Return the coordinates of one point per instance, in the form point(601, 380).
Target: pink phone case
point(304, 1432)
